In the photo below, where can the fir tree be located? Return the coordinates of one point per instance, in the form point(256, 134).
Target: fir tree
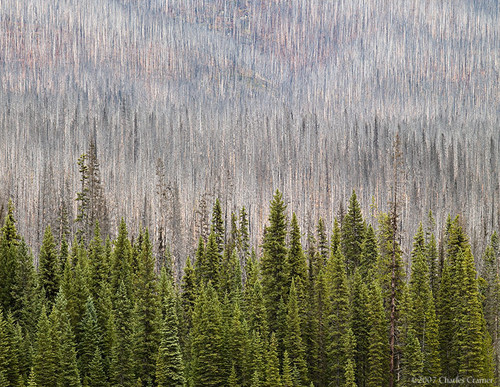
point(169, 365)
point(67, 369)
point(122, 366)
point(369, 252)
point(9, 241)
point(378, 348)
point(97, 376)
point(237, 343)
point(434, 267)
point(293, 336)
point(244, 241)
point(47, 355)
point(148, 313)
point(49, 266)
point(121, 262)
point(210, 270)
point(273, 367)
point(349, 343)
point(323, 248)
point(274, 259)
point(353, 234)
point(97, 262)
point(287, 378)
point(360, 326)
point(90, 338)
point(413, 360)
point(4, 352)
point(218, 226)
point(207, 340)
point(339, 317)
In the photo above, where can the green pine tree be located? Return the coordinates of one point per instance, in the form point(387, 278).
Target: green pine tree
point(287, 378)
point(369, 252)
point(47, 354)
point(218, 226)
point(210, 270)
point(293, 338)
point(97, 375)
point(5, 351)
point(413, 360)
point(339, 317)
point(244, 241)
point(121, 265)
point(272, 378)
point(169, 364)
point(9, 241)
point(297, 267)
point(91, 338)
point(209, 368)
point(360, 326)
point(49, 266)
point(353, 234)
point(274, 260)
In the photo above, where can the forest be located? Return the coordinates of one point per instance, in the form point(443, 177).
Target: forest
point(339, 309)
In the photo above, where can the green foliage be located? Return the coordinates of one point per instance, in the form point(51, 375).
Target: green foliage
point(274, 260)
point(169, 364)
point(297, 267)
point(272, 378)
point(210, 268)
point(369, 252)
point(209, 366)
point(5, 351)
point(360, 326)
point(218, 226)
point(49, 266)
point(46, 361)
point(9, 241)
point(91, 337)
point(97, 376)
point(353, 234)
point(413, 360)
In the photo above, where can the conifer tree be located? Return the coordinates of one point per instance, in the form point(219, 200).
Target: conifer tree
point(349, 342)
point(231, 275)
point(413, 360)
point(360, 326)
point(169, 365)
point(97, 376)
point(339, 317)
point(4, 352)
point(335, 243)
point(323, 248)
point(353, 234)
point(237, 343)
point(378, 348)
point(244, 241)
point(199, 262)
point(209, 368)
point(293, 337)
point(122, 366)
point(49, 266)
point(218, 226)
point(274, 259)
point(46, 360)
point(26, 293)
point(256, 361)
point(9, 241)
point(97, 262)
point(91, 338)
point(233, 378)
point(67, 369)
point(148, 313)
point(273, 378)
point(121, 262)
point(297, 268)
point(105, 320)
point(16, 354)
point(434, 267)
point(491, 301)
point(256, 310)
point(287, 378)
point(234, 234)
point(369, 252)
point(210, 270)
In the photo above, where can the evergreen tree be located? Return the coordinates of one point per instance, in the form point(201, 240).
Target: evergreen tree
point(5, 351)
point(491, 301)
point(237, 343)
point(67, 370)
point(90, 338)
point(323, 248)
point(218, 226)
point(209, 368)
point(210, 270)
point(378, 348)
point(297, 267)
point(339, 317)
point(434, 267)
point(122, 366)
point(360, 326)
point(47, 355)
point(148, 313)
point(293, 337)
point(244, 241)
point(353, 234)
point(369, 252)
point(9, 241)
point(233, 378)
point(169, 365)
point(287, 378)
point(274, 259)
point(413, 360)
point(200, 262)
point(121, 262)
point(97, 262)
point(349, 342)
point(256, 310)
point(97, 376)
point(273, 365)
point(49, 266)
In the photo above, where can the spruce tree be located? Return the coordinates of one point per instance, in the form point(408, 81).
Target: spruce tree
point(353, 234)
point(5, 351)
point(274, 260)
point(91, 338)
point(209, 367)
point(413, 360)
point(47, 353)
point(297, 267)
point(287, 377)
point(122, 366)
point(199, 262)
point(293, 337)
point(67, 369)
point(97, 262)
point(97, 376)
point(349, 342)
point(378, 348)
point(244, 241)
point(339, 317)
point(218, 226)
point(49, 266)
point(121, 271)
point(237, 343)
point(169, 364)
point(360, 326)
point(323, 248)
point(369, 252)
point(210, 270)
point(9, 241)
point(272, 378)
point(148, 313)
